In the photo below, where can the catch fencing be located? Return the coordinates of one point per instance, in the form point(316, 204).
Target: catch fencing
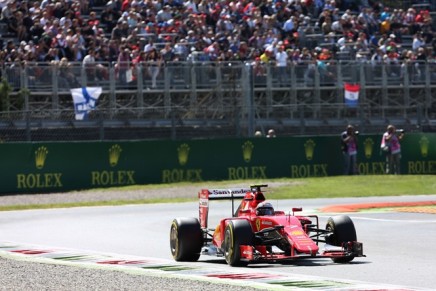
point(201, 99)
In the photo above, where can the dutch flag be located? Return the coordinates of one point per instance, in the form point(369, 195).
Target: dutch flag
point(351, 94)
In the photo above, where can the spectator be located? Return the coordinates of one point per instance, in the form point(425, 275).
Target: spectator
point(390, 146)
point(164, 14)
point(349, 150)
point(154, 62)
point(281, 58)
point(16, 25)
point(7, 12)
point(271, 133)
point(133, 40)
point(67, 79)
point(124, 66)
point(418, 41)
point(266, 56)
point(138, 63)
point(90, 65)
point(259, 72)
point(52, 55)
point(108, 18)
point(243, 31)
point(117, 32)
point(258, 133)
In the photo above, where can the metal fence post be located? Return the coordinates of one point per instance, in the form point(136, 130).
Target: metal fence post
point(54, 79)
point(248, 85)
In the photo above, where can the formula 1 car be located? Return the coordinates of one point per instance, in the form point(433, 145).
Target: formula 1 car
point(258, 233)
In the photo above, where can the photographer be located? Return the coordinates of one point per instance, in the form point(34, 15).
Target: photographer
point(349, 150)
point(390, 145)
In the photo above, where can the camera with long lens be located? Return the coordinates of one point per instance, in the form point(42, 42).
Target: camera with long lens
point(400, 130)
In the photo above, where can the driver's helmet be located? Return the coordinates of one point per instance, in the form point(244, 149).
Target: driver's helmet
point(264, 208)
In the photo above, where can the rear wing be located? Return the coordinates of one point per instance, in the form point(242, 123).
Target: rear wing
point(217, 194)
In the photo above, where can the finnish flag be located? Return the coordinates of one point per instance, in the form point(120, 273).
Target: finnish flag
point(351, 94)
point(84, 100)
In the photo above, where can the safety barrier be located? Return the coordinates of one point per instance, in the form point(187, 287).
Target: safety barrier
point(56, 167)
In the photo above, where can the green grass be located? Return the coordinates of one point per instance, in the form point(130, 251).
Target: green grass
point(326, 187)
point(358, 186)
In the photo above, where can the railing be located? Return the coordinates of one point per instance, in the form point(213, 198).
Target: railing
point(235, 96)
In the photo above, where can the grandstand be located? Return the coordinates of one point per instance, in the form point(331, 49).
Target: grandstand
point(201, 97)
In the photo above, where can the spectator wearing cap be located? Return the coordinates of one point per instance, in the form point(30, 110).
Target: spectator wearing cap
point(265, 57)
point(125, 5)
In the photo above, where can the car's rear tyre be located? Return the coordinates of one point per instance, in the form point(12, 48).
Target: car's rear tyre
point(237, 233)
point(186, 239)
point(342, 230)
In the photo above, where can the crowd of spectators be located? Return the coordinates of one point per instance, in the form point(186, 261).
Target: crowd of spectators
point(126, 32)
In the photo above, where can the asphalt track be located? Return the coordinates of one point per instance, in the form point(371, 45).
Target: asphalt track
point(399, 245)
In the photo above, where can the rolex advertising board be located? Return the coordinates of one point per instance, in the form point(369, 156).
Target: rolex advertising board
point(57, 167)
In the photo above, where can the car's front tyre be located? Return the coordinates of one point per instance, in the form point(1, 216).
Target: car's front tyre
point(186, 239)
point(237, 233)
point(342, 231)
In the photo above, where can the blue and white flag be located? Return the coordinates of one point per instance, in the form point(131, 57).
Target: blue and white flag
point(84, 100)
point(351, 94)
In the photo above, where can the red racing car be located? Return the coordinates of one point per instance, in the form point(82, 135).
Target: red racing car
point(258, 233)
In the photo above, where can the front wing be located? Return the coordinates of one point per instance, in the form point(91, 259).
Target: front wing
point(265, 254)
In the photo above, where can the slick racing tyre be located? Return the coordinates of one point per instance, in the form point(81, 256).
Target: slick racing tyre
point(342, 230)
point(238, 232)
point(186, 239)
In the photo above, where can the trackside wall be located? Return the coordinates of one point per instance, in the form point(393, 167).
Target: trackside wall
point(54, 167)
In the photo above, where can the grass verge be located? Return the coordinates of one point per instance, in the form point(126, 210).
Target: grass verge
point(323, 187)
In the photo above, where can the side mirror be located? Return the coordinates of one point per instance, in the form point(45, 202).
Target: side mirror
point(296, 209)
